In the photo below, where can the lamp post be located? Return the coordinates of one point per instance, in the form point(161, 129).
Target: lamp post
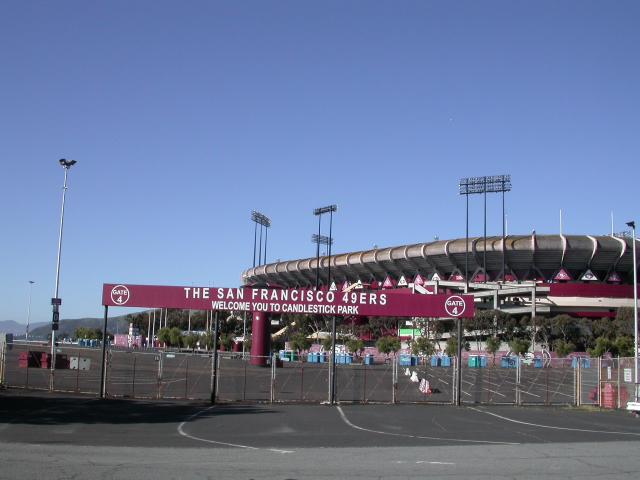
point(56, 301)
point(26, 337)
point(635, 309)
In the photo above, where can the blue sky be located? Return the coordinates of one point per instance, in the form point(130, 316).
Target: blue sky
point(185, 116)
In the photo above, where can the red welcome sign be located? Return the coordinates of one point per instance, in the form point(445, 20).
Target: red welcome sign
point(357, 302)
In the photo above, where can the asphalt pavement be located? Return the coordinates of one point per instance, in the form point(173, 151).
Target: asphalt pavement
point(62, 436)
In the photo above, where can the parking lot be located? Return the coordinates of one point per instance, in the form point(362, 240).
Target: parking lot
point(66, 436)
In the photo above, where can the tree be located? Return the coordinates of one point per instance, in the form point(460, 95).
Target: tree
point(602, 346)
point(624, 346)
point(564, 326)
point(452, 346)
point(227, 341)
point(191, 341)
point(422, 346)
point(492, 345)
point(355, 346)
point(300, 342)
point(164, 336)
point(175, 337)
point(563, 348)
point(388, 345)
point(519, 346)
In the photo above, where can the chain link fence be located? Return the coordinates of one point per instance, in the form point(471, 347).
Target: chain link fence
point(158, 374)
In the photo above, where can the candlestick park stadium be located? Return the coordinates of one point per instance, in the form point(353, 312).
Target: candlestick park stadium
point(581, 275)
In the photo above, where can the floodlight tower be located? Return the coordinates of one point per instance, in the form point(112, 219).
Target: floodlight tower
point(264, 222)
point(319, 212)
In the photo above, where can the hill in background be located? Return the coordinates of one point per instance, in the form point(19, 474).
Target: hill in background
point(118, 324)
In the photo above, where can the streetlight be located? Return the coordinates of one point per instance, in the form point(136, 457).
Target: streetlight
point(26, 337)
point(635, 308)
point(57, 301)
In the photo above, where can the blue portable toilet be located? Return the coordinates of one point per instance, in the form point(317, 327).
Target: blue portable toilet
point(445, 361)
point(368, 359)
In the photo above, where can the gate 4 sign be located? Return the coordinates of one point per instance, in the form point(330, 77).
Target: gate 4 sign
point(455, 306)
point(119, 295)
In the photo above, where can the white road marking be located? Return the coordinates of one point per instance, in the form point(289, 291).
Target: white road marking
point(206, 440)
point(553, 427)
point(406, 435)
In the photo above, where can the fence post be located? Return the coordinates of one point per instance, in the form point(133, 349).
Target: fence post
point(364, 387)
point(186, 378)
point(159, 387)
point(244, 379)
point(453, 380)
point(133, 381)
point(2, 361)
point(619, 402)
point(273, 375)
point(301, 380)
point(394, 378)
point(518, 378)
point(77, 371)
point(579, 382)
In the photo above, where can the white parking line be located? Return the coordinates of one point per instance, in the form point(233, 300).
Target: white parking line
point(553, 427)
point(406, 435)
point(206, 440)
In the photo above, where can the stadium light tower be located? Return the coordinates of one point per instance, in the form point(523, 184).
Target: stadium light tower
point(264, 222)
point(635, 309)
point(473, 185)
point(319, 212)
point(321, 239)
point(56, 301)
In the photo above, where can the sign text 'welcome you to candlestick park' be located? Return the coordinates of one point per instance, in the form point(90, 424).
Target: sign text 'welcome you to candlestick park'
point(371, 303)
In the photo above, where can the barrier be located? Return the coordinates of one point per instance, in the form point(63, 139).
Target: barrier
point(161, 374)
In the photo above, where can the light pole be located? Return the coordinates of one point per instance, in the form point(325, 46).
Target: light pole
point(56, 301)
point(635, 309)
point(26, 337)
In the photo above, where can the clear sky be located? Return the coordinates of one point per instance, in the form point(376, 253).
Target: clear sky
point(185, 116)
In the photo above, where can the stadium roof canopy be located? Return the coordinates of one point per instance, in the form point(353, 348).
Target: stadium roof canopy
point(546, 258)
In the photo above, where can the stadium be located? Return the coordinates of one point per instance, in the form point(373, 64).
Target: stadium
point(581, 275)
